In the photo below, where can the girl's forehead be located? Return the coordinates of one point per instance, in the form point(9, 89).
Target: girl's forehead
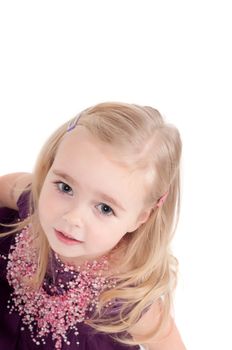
point(81, 141)
point(81, 138)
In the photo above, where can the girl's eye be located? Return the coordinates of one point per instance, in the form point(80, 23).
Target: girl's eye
point(63, 187)
point(105, 209)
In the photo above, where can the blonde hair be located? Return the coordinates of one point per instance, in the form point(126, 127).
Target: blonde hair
point(145, 141)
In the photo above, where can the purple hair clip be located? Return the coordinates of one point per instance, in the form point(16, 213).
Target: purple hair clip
point(73, 123)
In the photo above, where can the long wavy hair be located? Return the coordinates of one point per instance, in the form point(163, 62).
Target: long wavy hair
point(144, 140)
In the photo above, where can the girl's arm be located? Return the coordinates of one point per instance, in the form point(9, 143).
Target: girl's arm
point(170, 338)
point(11, 186)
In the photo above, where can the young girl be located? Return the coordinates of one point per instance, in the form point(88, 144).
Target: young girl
point(85, 259)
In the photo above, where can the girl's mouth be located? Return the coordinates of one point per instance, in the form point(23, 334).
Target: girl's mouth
point(66, 239)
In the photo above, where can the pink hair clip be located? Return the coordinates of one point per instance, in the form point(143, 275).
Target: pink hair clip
point(162, 199)
point(73, 123)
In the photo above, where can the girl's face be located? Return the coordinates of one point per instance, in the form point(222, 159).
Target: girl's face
point(88, 202)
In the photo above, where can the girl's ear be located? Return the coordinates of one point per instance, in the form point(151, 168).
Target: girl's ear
point(141, 219)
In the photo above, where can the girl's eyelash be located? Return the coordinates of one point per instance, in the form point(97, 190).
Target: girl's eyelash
point(60, 187)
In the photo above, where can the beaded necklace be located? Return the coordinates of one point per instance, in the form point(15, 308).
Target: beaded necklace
point(67, 297)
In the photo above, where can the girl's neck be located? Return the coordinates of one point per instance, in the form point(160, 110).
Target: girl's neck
point(80, 263)
point(112, 257)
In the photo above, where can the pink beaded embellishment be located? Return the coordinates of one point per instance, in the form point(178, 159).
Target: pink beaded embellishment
point(65, 305)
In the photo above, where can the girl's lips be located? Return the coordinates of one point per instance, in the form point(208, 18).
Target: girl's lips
point(66, 239)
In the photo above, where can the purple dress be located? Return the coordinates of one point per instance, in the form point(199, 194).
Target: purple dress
point(11, 335)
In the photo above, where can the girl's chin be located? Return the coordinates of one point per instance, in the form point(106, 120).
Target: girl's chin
point(77, 260)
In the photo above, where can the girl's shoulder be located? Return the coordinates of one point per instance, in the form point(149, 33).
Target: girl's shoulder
point(10, 216)
point(12, 185)
point(23, 204)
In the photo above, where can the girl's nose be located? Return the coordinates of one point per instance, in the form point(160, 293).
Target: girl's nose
point(74, 217)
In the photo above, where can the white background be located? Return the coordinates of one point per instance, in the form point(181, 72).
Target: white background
point(58, 57)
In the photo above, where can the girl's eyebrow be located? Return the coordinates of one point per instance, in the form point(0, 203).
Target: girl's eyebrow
point(104, 196)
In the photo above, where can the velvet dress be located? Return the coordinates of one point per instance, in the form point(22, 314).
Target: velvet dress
point(14, 335)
